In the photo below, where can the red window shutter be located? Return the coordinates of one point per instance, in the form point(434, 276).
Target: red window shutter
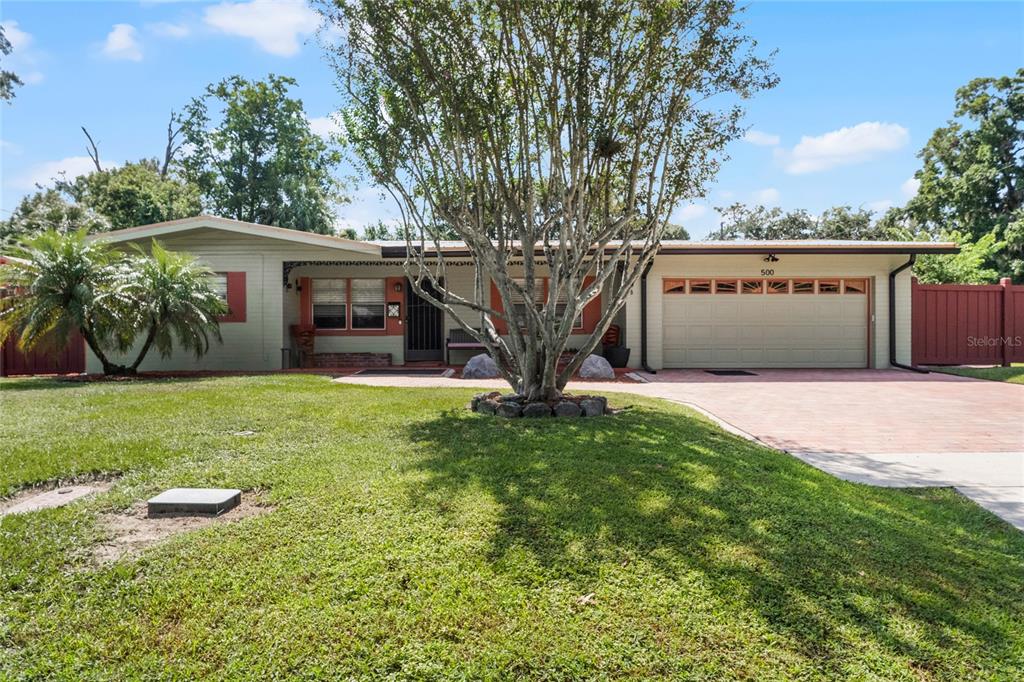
point(235, 296)
point(591, 311)
point(498, 307)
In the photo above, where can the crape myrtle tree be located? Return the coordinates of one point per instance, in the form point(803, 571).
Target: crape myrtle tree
point(553, 138)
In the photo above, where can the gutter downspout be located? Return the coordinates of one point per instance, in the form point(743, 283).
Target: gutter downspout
point(892, 317)
point(643, 318)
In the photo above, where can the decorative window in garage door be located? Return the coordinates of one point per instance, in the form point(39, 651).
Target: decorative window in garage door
point(824, 286)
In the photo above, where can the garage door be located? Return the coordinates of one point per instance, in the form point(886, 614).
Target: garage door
point(765, 322)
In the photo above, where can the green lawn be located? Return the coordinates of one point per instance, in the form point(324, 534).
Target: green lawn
point(1013, 374)
point(413, 540)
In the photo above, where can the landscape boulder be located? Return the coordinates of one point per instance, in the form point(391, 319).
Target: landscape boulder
point(567, 408)
point(537, 410)
point(592, 407)
point(509, 410)
point(596, 367)
point(481, 366)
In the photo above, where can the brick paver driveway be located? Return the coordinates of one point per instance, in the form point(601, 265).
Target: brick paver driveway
point(884, 427)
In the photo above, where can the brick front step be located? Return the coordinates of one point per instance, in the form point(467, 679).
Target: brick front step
point(351, 360)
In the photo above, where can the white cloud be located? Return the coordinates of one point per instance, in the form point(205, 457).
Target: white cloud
point(880, 206)
point(275, 26)
point(19, 39)
point(168, 30)
point(687, 213)
point(910, 187)
point(767, 196)
point(845, 146)
point(324, 126)
point(761, 139)
point(122, 43)
point(24, 59)
point(45, 172)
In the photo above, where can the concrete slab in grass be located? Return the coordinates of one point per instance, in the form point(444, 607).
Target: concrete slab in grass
point(193, 502)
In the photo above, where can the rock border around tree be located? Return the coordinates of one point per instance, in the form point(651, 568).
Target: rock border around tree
point(514, 406)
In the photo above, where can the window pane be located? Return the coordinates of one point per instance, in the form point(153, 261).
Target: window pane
point(700, 286)
point(219, 284)
point(777, 286)
point(803, 286)
point(725, 286)
point(855, 286)
point(330, 303)
point(828, 286)
point(368, 310)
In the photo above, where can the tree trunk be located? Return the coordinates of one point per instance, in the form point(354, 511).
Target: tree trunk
point(109, 368)
point(134, 368)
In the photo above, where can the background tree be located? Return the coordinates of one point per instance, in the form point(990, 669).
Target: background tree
point(759, 223)
point(972, 180)
point(8, 79)
point(135, 194)
point(541, 127)
point(49, 210)
point(255, 158)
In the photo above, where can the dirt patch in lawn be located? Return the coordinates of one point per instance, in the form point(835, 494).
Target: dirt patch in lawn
point(52, 495)
point(130, 532)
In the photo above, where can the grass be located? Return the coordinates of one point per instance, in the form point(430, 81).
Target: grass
point(413, 540)
point(1013, 374)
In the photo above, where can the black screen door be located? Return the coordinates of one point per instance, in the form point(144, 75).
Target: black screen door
point(424, 327)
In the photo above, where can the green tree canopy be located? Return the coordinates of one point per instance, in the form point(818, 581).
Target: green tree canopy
point(49, 209)
point(760, 223)
point(134, 194)
point(558, 128)
point(972, 179)
point(250, 150)
point(8, 79)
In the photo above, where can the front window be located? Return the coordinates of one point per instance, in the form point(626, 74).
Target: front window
point(219, 285)
point(368, 305)
point(330, 303)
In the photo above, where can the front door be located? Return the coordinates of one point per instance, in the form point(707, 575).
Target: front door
point(424, 327)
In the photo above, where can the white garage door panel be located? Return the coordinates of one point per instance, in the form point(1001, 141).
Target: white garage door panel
point(768, 330)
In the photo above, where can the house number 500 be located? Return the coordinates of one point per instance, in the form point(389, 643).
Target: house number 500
point(767, 272)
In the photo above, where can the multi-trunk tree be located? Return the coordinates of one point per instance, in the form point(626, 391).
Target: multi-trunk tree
point(553, 138)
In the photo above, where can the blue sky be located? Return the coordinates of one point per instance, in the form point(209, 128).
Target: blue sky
point(863, 86)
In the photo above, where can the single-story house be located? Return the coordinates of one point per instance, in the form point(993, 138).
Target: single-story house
point(815, 304)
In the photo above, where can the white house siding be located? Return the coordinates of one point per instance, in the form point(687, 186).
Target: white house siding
point(253, 345)
point(271, 309)
point(875, 267)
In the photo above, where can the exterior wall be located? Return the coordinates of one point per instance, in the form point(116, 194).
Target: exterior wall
point(253, 345)
point(874, 267)
point(271, 309)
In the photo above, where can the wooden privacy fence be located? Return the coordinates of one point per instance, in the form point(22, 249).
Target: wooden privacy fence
point(45, 359)
point(967, 324)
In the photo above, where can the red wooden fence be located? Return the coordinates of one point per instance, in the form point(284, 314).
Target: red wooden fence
point(967, 324)
point(45, 359)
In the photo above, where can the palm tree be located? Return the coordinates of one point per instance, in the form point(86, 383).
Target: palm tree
point(176, 302)
point(57, 283)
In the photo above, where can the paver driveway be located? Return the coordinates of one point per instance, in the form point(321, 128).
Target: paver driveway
point(884, 427)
